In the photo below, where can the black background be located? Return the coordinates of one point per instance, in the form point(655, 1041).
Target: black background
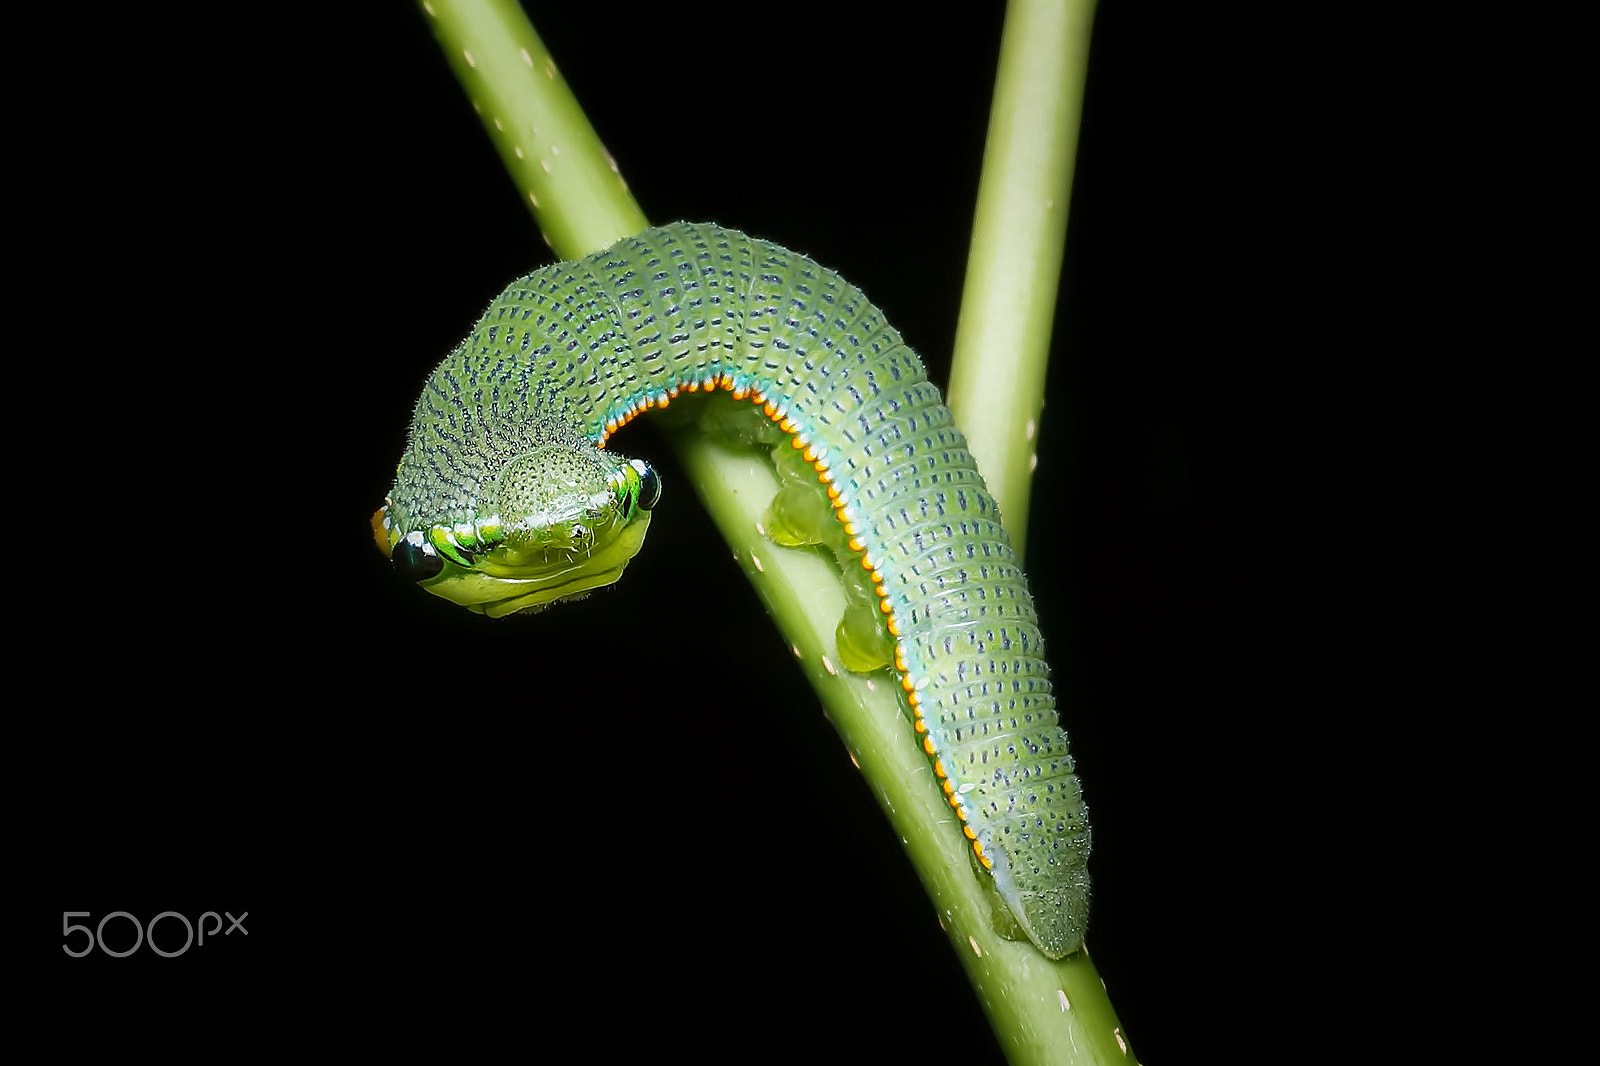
point(633, 805)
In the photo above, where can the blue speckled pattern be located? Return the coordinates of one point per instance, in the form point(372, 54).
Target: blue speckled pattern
point(570, 352)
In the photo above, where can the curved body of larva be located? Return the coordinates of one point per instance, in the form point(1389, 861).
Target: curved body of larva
point(569, 353)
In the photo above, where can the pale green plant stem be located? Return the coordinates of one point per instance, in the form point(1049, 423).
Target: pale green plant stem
point(553, 155)
point(1018, 235)
point(1042, 1011)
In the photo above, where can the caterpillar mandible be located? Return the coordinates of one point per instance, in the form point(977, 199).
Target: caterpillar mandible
point(507, 500)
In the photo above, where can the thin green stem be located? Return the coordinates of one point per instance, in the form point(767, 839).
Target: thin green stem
point(548, 146)
point(1018, 233)
point(1042, 1011)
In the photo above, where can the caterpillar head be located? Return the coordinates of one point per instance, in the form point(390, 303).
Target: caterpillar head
point(556, 522)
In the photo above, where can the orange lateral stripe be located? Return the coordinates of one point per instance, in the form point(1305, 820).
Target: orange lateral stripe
point(801, 442)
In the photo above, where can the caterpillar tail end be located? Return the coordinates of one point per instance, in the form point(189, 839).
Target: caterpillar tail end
point(1054, 915)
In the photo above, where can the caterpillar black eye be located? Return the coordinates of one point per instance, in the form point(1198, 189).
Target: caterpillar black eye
point(649, 484)
point(416, 562)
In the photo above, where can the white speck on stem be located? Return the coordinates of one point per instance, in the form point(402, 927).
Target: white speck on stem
point(470, 62)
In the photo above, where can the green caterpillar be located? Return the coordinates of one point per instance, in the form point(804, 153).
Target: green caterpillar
point(507, 500)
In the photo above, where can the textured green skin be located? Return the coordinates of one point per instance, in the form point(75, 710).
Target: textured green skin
point(572, 347)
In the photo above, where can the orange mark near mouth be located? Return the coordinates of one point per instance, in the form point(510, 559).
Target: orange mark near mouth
point(380, 536)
